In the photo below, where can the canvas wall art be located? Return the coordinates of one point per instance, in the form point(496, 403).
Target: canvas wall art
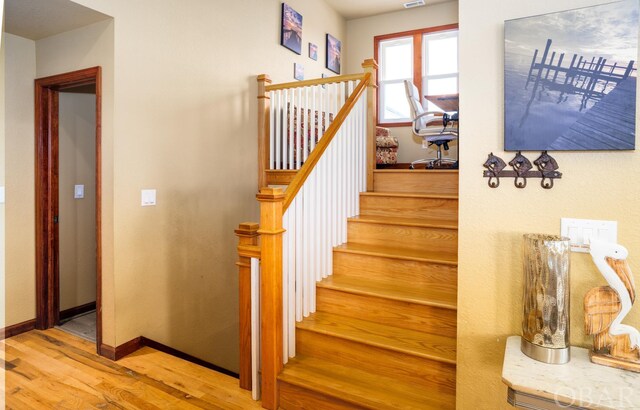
point(291, 31)
point(313, 51)
point(298, 71)
point(334, 47)
point(570, 79)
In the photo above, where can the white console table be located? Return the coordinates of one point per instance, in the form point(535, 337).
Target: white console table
point(578, 384)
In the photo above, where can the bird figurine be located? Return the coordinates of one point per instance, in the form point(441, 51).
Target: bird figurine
point(615, 344)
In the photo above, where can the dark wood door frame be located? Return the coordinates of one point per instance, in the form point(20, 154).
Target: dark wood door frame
point(46, 134)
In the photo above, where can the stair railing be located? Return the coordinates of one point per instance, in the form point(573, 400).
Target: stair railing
point(299, 227)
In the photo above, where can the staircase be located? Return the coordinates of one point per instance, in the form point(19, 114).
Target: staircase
point(384, 332)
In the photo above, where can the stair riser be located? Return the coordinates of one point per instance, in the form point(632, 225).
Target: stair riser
point(407, 315)
point(426, 182)
point(423, 373)
point(398, 236)
point(409, 207)
point(294, 397)
point(380, 268)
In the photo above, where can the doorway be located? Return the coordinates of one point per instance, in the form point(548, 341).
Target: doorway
point(48, 179)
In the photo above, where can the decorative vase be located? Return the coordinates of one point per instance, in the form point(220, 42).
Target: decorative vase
point(545, 324)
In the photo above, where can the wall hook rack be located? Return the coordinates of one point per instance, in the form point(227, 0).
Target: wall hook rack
point(522, 169)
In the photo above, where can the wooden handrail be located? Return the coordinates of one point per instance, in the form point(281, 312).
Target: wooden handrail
point(247, 234)
point(323, 144)
point(315, 81)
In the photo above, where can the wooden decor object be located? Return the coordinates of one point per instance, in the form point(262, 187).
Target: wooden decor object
point(614, 344)
point(247, 234)
point(271, 210)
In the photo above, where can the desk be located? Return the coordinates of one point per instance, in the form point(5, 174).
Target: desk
point(578, 384)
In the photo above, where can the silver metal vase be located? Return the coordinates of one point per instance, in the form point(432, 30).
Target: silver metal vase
point(545, 324)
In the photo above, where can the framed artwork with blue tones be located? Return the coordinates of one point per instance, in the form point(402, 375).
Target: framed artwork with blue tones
point(570, 79)
point(291, 31)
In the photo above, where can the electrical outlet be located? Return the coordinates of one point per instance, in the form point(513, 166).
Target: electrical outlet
point(581, 231)
point(148, 197)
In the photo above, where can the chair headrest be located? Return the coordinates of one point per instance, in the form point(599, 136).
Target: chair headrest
point(412, 90)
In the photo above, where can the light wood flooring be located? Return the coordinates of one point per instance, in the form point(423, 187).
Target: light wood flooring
point(55, 370)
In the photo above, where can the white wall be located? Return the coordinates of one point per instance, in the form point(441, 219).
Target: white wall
point(20, 70)
point(77, 222)
point(360, 34)
point(594, 185)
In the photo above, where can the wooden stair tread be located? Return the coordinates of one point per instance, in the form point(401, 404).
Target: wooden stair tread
point(399, 221)
point(361, 388)
point(429, 346)
point(423, 255)
point(406, 292)
point(410, 195)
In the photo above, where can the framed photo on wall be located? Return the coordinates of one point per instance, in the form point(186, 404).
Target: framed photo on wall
point(298, 71)
point(291, 30)
point(334, 47)
point(313, 51)
point(570, 79)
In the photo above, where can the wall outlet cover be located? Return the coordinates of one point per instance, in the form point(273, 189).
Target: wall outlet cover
point(148, 197)
point(580, 232)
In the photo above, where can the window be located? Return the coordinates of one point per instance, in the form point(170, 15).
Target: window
point(428, 57)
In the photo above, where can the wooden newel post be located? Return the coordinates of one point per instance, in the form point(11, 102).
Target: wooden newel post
point(370, 66)
point(271, 208)
point(247, 234)
point(264, 108)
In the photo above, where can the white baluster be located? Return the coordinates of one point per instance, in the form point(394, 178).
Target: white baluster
point(305, 134)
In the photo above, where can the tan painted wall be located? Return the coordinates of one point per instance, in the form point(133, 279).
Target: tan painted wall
point(2, 184)
point(77, 223)
point(360, 34)
point(20, 71)
point(185, 123)
point(596, 185)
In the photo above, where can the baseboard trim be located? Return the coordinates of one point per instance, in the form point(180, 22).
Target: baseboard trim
point(16, 329)
point(187, 357)
point(117, 353)
point(78, 310)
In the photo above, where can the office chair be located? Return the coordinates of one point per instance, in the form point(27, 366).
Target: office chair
point(432, 126)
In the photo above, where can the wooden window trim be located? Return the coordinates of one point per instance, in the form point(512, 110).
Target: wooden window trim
point(417, 60)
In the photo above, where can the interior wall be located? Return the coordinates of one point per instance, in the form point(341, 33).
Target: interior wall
point(594, 185)
point(26, 60)
point(77, 222)
point(186, 125)
point(20, 70)
point(360, 34)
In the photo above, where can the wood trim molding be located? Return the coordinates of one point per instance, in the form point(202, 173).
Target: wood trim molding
point(46, 142)
point(78, 310)
point(184, 356)
point(315, 81)
point(18, 328)
point(117, 353)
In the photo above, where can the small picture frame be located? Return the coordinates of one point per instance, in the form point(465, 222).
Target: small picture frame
point(313, 51)
point(334, 47)
point(298, 71)
point(291, 29)
point(324, 76)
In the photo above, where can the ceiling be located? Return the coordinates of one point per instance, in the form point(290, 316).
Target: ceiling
point(36, 19)
point(353, 9)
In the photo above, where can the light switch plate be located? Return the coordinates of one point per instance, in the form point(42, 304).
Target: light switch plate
point(148, 197)
point(78, 191)
point(580, 232)
point(1, 195)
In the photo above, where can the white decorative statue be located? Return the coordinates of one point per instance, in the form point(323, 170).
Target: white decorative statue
point(614, 344)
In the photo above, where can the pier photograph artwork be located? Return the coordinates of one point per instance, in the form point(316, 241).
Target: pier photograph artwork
point(570, 79)
point(334, 50)
point(291, 32)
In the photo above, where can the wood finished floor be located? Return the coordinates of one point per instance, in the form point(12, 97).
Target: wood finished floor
point(55, 370)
